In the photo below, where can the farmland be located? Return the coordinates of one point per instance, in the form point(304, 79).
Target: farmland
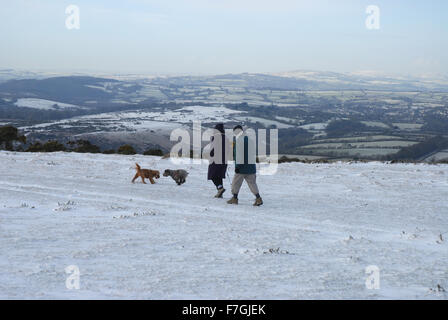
point(320, 114)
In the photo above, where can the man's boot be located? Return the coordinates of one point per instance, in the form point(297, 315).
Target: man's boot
point(258, 202)
point(234, 200)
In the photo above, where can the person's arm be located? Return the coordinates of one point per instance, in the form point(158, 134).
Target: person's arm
point(234, 150)
point(212, 151)
point(246, 150)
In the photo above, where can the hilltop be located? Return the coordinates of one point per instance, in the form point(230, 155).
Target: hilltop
point(320, 227)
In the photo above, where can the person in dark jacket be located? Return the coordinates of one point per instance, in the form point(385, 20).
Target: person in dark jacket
point(245, 168)
point(217, 169)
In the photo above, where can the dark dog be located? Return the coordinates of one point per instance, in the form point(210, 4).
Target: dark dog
point(146, 173)
point(179, 176)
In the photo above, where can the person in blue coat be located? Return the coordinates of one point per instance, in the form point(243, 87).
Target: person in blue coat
point(245, 167)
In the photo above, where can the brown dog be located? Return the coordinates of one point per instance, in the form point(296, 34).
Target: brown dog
point(146, 173)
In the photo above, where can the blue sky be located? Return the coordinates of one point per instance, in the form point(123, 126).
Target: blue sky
point(225, 36)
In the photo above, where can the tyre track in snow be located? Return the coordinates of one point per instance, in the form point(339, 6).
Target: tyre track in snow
point(85, 184)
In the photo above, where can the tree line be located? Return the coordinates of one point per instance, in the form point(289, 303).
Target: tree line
point(420, 150)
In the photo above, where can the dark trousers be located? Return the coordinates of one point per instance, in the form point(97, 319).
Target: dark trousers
point(217, 182)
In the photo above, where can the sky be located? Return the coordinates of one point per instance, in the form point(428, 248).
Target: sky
point(225, 36)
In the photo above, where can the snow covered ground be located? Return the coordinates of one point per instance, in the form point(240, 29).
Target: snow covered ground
point(320, 227)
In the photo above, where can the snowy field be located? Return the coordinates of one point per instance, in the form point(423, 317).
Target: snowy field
point(140, 120)
point(43, 104)
point(320, 227)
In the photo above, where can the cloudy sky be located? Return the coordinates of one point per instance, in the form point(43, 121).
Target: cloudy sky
point(225, 36)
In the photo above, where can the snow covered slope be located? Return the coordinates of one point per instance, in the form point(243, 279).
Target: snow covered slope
point(319, 229)
point(43, 104)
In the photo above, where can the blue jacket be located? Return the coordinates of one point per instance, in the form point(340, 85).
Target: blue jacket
point(246, 167)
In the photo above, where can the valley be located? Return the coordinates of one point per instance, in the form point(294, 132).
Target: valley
point(370, 117)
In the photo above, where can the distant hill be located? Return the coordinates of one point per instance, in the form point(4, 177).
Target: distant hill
point(71, 89)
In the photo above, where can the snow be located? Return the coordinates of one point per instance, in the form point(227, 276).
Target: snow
point(142, 120)
point(43, 104)
point(314, 126)
point(265, 122)
point(320, 227)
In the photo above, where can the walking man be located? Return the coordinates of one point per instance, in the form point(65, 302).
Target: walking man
point(245, 167)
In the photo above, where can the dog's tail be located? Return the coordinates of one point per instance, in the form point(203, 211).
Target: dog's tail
point(137, 167)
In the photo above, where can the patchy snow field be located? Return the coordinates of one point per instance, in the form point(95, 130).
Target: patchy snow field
point(320, 227)
point(142, 120)
point(43, 104)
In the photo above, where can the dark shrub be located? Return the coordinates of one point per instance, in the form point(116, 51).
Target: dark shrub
point(83, 146)
point(153, 152)
point(285, 159)
point(126, 149)
point(9, 134)
point(49, 146)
